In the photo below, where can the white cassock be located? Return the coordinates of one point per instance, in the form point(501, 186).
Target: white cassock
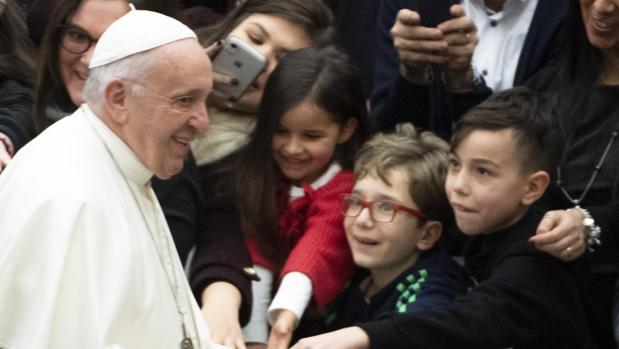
point(86, 257)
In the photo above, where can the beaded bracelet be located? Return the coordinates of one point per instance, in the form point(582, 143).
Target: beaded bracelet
point(592, 230)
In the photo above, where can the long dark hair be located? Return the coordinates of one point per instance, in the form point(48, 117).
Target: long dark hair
point(314, 17)
point(579, 66)
point(17, 52)
point(50, 89)
point(327, 78)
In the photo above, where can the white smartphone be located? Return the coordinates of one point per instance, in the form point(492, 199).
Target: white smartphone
point(238, 60)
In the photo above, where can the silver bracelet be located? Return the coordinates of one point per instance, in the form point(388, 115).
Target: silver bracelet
point(592, 230)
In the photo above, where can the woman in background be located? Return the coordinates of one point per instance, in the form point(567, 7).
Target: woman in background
point(17, 70)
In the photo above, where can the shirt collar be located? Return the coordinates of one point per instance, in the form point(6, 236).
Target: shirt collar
point(482, 3)
point(128, 163)
point(332, 171)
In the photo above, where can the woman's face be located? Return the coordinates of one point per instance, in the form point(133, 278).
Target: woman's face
point(601, 19)
point(274, 37)
point(92, 18)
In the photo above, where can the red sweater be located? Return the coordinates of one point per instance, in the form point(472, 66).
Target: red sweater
point(314, 226)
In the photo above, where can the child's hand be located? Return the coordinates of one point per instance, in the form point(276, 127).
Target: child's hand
point(346, 338)
point(561, 234)
point(281, 332)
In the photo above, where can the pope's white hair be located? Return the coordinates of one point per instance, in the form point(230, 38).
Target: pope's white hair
point(132, 68)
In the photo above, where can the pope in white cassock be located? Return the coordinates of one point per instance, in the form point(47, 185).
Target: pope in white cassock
point(86, 257)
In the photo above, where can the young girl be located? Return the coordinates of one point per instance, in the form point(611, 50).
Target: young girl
point(289, 180)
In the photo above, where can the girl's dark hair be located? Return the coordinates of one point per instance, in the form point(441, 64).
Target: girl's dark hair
point(325, 77)
point(50, 89)
point(313, 16)
point(579, 66)
point(17, 53)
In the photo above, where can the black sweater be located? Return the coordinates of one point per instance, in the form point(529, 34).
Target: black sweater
point(16, 112)
point(524, 299)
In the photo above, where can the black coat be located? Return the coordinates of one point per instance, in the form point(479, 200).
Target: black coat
point(524, 299)
point(16, 112)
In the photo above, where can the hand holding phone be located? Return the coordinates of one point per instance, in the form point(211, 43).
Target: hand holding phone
point(434, 12)
point(241, 62)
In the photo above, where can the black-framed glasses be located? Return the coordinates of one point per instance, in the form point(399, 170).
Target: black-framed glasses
point(380, 211)
point(75, 39)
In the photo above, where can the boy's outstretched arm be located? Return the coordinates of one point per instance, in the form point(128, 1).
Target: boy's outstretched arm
point(346, 338)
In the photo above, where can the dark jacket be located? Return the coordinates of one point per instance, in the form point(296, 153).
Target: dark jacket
point(433, 282)
point(524, 299)
point(221, 253)
point(180, 198)
point(587, 136)
point(16, 112)
point(395, 100)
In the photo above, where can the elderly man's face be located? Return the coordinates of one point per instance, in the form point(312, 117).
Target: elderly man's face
point(171, 109)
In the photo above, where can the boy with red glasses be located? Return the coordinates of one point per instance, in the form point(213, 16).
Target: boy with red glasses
point(393, 218)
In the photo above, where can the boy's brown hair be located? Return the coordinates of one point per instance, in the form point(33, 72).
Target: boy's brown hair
point(423, 155)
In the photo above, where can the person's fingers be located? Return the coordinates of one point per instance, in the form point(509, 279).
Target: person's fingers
point(279, 337)
point(462, 39)
point(407, 17)
point(427, 46)
point(457, 24)
point(233, 343)
point(4, 160)
point(240, 344)
point(213, 49)
point(414, 58)
point(415, 33)
point(457, 10)
point(219, 79)
point(547, 224)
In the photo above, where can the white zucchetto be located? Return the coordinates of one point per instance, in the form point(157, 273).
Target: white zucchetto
point(135, 32)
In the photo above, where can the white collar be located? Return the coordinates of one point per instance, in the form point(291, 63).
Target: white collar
point(334, 169)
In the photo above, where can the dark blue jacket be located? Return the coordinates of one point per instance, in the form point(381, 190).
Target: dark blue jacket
point(395, 100)
point(433, 282)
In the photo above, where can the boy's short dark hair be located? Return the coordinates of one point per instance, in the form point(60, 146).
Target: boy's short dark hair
point(533, 120)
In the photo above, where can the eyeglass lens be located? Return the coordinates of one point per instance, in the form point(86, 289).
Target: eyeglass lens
point(76, 40)
point(380, 211)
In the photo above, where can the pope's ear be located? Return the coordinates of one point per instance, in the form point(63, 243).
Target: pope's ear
point(116, 95)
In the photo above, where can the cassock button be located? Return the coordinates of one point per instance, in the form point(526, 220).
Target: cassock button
point(493, 23)
point(251, 273)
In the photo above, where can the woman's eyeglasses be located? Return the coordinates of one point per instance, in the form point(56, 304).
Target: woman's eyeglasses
point(75, 39)
point(380, 211)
